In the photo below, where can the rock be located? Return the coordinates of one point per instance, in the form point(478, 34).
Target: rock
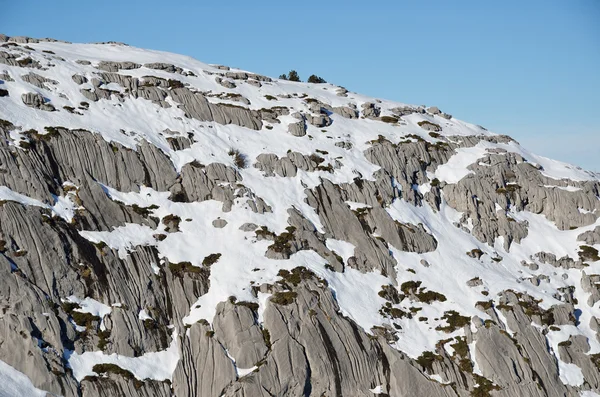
point(116, 66)
point(255, 83)
point(434, 110)
point(344, 145)
point(346, 112)
point(37, 80)
point(219, 223)
point(320, 121)
point(225, 83)
point(298, 128)
point(370, 110)
point(37, 101)
point(79, 79)
point(167, 67)
point(248, 227)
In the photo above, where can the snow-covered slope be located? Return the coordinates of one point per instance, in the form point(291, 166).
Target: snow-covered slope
point(195, 223)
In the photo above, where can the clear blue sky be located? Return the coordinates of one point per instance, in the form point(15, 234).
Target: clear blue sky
point(529, 69)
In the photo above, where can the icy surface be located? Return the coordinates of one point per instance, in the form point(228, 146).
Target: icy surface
point(14, 383)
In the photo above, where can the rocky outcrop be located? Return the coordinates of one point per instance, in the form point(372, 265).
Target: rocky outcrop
point(324, 264)
point(37, 101)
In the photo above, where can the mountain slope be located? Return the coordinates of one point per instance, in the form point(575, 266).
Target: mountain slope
point(170, 227)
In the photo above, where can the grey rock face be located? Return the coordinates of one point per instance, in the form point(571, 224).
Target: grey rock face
point(295, 335)
point(116, 66)
point(167, 67)
point(370, 110)
point(37, 101)
point(346, 112)
point(298, 128)
point(37, 80)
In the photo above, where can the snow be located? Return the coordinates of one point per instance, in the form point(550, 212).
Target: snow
point(566, 188)
point(89, 305)
point(155, 365)
point(123, 238)
point(437, 378)
point(143, 315)
point(63, 206)
point(457, 166)
point(340, 247)
point(377, 389)
point(242, 254)
point(15, 383)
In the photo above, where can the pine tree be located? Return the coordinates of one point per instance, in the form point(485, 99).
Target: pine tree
point(293, 76)
point(316, 79)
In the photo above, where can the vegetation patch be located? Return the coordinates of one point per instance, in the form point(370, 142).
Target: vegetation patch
point(284, 298)
point(484, 387)
point(143, 211)
point(174, 84)
point(291, 76)
point(296, 276)
point(316, 79)
point(389, 119)
point(181, 268)
point(106, 368)
point(390, 294)
point(454, 320)
point(427, 359)
point(393, 312)
point(211, 259)
point(239, 159)
point(427, 125)
point(86, 320)
point(414, 288)
point(282, 243)
point(588, 253)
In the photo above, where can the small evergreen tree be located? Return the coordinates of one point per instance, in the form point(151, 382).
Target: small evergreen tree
point(316, 79)
point(293, 76)
point(283, 77)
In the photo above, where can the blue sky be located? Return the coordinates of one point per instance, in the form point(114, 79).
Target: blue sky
point(529, 69)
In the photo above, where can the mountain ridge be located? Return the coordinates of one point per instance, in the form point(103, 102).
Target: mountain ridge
point(181, 213)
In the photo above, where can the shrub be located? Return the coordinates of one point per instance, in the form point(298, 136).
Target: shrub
point(427, 359)
point(281, 243)
point(115, 369)
point(588, 253)
point(270, 98)
point(296, 275)
point(174, 84)
point(84, 319)
point(389, 119)
point(316, 79)
point(3, 92)
point(283, 298)
point(211, 259)
point(390, 294)
point(239, 159)
point(143, 211)
point(179, 269)
point(454, 320)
